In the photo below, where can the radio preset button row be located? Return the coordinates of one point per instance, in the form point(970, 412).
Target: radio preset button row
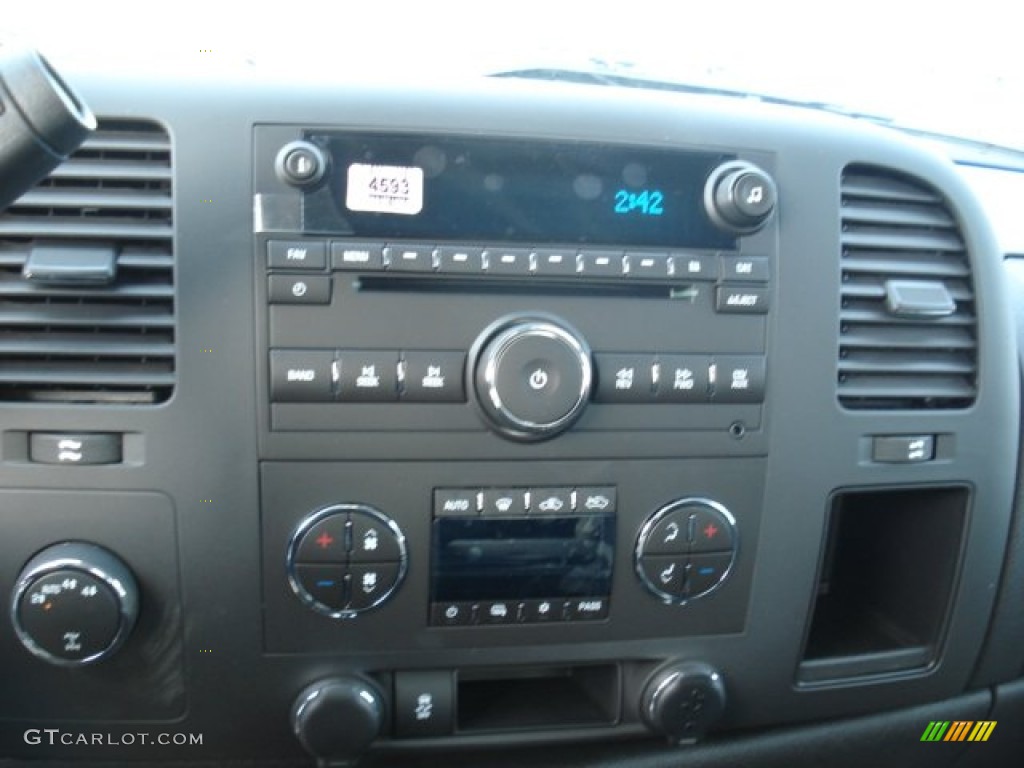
point(366, 376)
point(468, 502)
point(631, 378)
point(504, 612)
point(520, 261)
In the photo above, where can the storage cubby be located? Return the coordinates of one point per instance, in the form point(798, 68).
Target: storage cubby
point(885, 582)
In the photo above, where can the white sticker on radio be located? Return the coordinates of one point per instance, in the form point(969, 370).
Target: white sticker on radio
point(384, 189)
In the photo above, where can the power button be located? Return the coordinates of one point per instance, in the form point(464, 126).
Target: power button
point(300, 164)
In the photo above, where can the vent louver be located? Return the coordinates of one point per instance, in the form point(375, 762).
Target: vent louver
point(110, 342)
point(898, 232)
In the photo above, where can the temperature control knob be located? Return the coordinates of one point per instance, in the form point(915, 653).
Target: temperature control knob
point(532, 377)
point(74, 604)
point(337, 719)
point(682, 701)
point(739, 197)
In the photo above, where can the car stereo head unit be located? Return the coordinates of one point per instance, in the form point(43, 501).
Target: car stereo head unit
point(500, 289)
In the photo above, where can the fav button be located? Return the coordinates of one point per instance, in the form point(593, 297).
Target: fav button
point(294, 254)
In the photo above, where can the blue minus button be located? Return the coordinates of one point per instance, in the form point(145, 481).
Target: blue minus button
point(324, 585)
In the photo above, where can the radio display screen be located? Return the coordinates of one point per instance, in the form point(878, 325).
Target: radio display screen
point(480, 558)
point(463, 188)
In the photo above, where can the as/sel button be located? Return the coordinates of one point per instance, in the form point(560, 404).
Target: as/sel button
point(742, 299)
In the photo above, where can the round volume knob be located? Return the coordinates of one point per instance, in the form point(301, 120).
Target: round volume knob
point(532, 377)
point(337, 719)
point(74, 604)
point(739, 197)
point(682, 701)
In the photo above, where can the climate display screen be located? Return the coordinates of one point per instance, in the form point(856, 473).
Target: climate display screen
point(476, 558)
point(454, 188)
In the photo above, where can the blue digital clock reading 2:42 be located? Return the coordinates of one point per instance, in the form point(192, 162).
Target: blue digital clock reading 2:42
point(645, 202)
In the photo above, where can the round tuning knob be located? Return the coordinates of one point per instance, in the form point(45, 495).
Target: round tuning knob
point(532, 377)
point(682, 701)
point(74, 604)
point(337, 719)
point(739, 197)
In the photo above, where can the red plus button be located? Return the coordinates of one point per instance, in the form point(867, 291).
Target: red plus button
point(712, 531)
point(325, 541)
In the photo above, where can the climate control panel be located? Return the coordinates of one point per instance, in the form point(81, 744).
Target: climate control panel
point(346, 559)
point(686, 549)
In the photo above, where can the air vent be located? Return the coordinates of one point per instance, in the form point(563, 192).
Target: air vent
point(105, 332)
point(907, 323)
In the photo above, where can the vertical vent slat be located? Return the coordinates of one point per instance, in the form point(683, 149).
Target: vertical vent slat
point(112, 343)
point(897, 228)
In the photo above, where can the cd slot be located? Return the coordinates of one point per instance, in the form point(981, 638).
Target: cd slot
point(527, 286)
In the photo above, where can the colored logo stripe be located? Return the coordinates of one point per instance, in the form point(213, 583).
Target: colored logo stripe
point(982, 730)
point(959, 730)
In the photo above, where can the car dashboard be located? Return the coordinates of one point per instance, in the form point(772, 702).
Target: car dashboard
point(499, 422)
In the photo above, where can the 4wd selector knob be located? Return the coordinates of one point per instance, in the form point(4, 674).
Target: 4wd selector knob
point(739, 197)
point(532, 377)
point(74, 604)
